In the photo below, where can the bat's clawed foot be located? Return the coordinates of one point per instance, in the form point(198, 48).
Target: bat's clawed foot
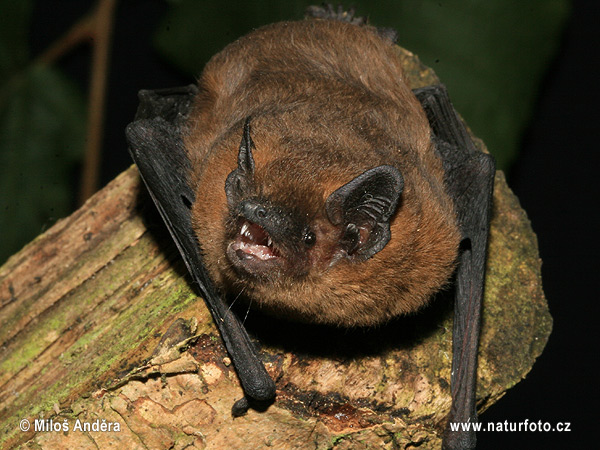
point(459, 440)
point(241, 407)
point(327, 11)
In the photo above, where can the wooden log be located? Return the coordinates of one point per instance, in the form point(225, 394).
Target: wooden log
point(84, 306)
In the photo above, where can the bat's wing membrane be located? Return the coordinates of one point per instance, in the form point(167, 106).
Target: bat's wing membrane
point(156, 145)
point(469, 180)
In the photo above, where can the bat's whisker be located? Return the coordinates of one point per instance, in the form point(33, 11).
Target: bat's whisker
point(247, 311)
point(236, 298)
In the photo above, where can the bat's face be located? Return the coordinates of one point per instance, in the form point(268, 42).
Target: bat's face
point(279, 230)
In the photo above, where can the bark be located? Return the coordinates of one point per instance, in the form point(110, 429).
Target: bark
point(84, 306)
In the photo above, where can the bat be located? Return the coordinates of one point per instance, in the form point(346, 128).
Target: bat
point(304, 175)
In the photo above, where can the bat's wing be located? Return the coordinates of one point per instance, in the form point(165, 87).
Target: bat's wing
point(469, 180)
point(156, 145)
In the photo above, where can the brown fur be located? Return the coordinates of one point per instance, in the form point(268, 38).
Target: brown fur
point(327, 101)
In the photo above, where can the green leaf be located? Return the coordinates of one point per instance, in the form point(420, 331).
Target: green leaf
point(491, 54)
point(42, 126)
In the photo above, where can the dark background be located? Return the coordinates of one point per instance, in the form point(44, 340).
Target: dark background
point(554, 177)
point(555, 180)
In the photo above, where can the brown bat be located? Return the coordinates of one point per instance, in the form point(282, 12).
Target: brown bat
point(349, 201)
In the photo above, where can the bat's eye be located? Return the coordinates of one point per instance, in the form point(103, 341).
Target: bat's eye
point(309, 238)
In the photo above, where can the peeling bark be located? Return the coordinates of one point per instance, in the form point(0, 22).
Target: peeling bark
point(84, 306)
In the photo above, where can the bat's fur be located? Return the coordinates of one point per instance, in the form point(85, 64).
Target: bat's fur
point(327, 102)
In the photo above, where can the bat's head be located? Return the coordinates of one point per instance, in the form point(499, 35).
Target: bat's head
point(277, 233)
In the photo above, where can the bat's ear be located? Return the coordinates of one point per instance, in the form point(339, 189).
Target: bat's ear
point(240, 182)
point(364, 207)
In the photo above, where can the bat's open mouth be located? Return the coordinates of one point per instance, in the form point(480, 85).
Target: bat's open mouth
point(253, 242)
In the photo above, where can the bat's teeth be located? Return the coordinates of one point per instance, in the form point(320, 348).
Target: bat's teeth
point(244, 229)
point(269, 242)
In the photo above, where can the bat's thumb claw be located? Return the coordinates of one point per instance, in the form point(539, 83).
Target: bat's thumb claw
point(240, 407)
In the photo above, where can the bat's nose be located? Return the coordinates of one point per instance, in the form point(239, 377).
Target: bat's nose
point(253, 210)
point(277, 221)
